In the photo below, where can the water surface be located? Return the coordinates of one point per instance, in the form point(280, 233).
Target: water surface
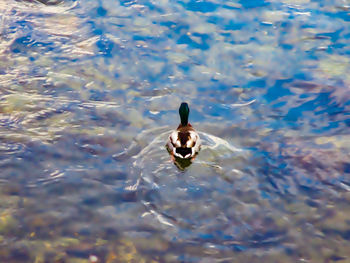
point(90, 90)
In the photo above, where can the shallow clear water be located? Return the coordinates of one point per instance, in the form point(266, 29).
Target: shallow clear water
point(90, 90)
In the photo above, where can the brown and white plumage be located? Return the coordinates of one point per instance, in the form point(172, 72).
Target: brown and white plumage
point(184, 142)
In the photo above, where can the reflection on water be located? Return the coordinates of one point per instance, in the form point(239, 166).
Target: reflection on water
point(181, 163)
point(90, 89)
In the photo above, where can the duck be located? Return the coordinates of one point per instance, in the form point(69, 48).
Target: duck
point(184, 142)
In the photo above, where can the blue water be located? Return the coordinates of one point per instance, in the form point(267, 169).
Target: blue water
point(90, 90)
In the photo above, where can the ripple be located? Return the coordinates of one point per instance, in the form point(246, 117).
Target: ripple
point(155, 148)
point(159, 183)
point(216, 143)
point(8, 149)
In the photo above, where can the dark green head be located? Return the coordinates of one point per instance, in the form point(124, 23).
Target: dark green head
point(184, 111)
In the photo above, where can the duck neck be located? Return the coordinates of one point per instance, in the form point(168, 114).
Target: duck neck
point(184, 111)
point(184, 120)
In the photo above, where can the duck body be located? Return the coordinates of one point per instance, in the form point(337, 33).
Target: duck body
point(184, 142)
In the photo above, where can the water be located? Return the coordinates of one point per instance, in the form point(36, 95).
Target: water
point(89, 91)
